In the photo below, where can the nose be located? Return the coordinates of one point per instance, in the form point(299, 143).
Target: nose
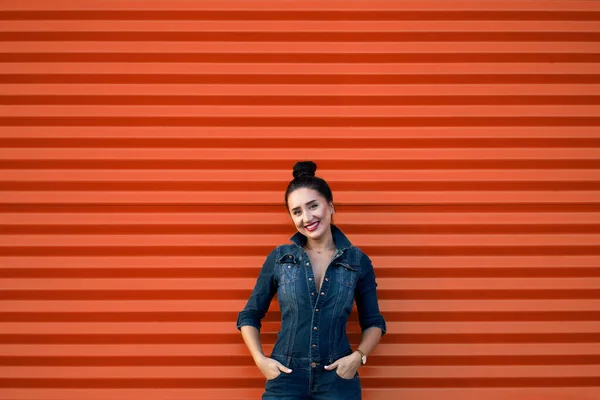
point(306, 218)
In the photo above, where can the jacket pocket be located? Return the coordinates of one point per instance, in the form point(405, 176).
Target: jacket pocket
point(347, 274)
point(289, 269)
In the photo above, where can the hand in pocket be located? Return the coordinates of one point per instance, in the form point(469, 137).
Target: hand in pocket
point(271, 368)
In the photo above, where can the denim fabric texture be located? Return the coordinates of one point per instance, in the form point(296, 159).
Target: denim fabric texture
point(311, 383)
point(313, 323)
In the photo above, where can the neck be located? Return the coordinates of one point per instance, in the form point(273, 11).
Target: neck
point(324, 243)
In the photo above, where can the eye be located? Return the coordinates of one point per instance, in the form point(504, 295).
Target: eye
point(296, 212)
point(314, 206)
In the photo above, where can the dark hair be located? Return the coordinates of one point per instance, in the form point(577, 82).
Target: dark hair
point(304, 177)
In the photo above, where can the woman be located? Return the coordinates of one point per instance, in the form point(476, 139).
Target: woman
point(317, 278)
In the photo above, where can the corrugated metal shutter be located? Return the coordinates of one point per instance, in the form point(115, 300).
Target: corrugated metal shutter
point(146, 147)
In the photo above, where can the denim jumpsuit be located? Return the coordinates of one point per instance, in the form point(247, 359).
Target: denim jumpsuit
point(313, 324)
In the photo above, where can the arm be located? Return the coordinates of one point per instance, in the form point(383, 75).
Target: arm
point(367, 302)
point(249, 319)
point(262, 294)
point(270, 368)
point(370, 338)
point(251, 337)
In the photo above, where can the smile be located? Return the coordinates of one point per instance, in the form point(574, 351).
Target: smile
point(312, 226)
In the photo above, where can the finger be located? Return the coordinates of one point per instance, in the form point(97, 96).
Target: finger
point(283, 368)
point(332, 366)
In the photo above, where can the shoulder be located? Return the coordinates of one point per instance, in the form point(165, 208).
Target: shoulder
point(279, 255)
point(360, 255)
point(361, 259)
point(282, 251)
point(285, 248)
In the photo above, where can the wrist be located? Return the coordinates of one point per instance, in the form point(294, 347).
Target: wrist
point(357, 358)
point(258, 358)
point(362, 356)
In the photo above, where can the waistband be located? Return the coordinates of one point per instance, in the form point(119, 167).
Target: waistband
point(306, 362)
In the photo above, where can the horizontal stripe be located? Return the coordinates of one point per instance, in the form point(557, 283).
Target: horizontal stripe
point(288, 37)
point(273, 316)
point(289, 79)
point(301, 58)
point(400, 272)
point(576, 288)
point(308, 15)
point(304, 121)
point(363, 100)
point(181, 383)
point(269, 338)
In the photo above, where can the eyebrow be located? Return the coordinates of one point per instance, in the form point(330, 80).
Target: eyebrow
point(310, 202)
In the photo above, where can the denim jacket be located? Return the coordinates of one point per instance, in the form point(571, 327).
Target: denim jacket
point(313, 325)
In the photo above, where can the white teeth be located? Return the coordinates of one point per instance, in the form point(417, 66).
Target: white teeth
point(313, 225)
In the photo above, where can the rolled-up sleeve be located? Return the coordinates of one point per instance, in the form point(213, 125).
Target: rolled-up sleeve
point(262, 294)
point(366, 297)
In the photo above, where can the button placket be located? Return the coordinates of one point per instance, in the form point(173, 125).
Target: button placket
point(312, 288)
point(317, 299)
point(314, 300)
point(321, 297)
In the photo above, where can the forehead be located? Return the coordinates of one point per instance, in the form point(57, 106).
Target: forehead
point(300, 197)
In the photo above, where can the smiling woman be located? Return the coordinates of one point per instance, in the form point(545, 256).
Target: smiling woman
point(317, 279)
point(310, 202)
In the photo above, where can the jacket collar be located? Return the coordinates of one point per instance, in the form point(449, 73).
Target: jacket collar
point(341, 241)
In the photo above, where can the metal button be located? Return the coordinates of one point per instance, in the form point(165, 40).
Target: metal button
point(322, 293)
point(317, 310)
point(312, 294)
point(310, 279)
point(315, 328)
point(289, 266)
point(314, 346)
point(307, 263)
point(327, 279)
point(313, 364)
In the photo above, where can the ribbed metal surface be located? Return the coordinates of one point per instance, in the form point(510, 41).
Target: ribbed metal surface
point(145, 148)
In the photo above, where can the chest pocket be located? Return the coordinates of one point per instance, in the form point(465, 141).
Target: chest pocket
point(347, 274)
point(289, 269)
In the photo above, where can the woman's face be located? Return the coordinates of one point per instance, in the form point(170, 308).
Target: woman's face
point(310, 212)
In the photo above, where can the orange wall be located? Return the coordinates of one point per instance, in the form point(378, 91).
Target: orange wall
point(145, 148)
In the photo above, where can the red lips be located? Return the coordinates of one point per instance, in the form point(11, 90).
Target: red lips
point(312, 227)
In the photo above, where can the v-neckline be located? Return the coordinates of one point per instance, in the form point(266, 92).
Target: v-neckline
point(318, 284)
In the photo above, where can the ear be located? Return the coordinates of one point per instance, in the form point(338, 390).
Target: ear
point(332, 208)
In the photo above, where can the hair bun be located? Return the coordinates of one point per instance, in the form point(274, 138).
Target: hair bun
point(304, 168)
